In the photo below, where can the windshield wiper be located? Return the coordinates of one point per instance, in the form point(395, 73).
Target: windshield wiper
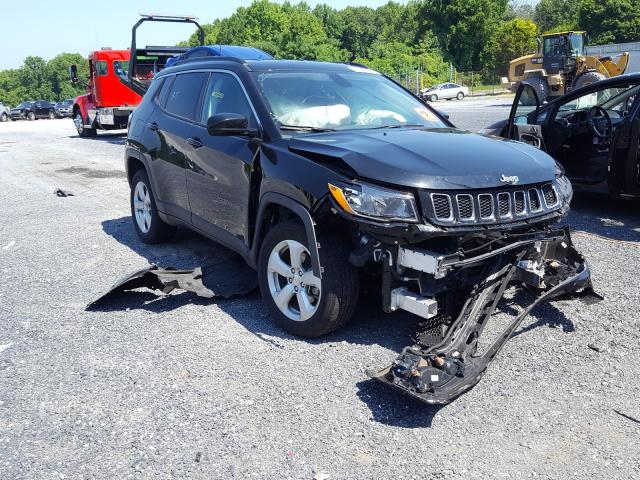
point(408, 125)
point(305, 128)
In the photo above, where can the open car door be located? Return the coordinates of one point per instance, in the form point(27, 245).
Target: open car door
point(522, 120)
point(146, 62)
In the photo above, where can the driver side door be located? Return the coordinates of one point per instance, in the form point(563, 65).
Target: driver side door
point(522, 124)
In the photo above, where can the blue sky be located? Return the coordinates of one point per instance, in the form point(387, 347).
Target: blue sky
point(46, 28)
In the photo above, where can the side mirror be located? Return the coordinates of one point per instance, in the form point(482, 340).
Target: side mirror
point(73, 73)
point(230, 124)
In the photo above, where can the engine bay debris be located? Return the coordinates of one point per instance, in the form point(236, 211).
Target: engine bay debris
point(438, 370)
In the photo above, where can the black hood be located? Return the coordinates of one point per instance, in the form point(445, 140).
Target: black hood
point(431, 158)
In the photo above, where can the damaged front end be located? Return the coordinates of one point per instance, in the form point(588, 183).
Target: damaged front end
point(456, 291)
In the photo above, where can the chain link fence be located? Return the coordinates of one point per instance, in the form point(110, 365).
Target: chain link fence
point(482, 82)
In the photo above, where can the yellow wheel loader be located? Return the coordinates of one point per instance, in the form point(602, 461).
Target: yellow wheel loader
point(561, 66)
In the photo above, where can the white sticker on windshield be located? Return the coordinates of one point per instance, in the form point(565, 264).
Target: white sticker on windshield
point(355, 68)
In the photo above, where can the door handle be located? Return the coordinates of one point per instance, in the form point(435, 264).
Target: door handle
point(153, 126)
point(194, 142)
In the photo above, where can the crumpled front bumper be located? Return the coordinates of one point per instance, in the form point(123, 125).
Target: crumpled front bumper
point(441, 373)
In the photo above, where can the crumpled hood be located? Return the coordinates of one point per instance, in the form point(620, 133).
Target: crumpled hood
point(443, 158)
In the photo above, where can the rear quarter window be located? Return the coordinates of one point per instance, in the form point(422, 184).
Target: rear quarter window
point(185, 93)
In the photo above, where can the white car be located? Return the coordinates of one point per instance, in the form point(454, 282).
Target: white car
point(446, 91)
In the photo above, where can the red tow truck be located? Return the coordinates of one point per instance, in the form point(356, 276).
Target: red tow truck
point(117, 82)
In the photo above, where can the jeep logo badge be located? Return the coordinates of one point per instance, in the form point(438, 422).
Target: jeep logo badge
point(510, 180)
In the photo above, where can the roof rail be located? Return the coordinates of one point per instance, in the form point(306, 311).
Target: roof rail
point(209, 59)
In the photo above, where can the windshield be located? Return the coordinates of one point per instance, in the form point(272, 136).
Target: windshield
point(341, 101)
point(66, 103)
point(24, 105)
point(577, 43)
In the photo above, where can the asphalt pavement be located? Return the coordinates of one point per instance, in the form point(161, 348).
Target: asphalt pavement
point(177, 386)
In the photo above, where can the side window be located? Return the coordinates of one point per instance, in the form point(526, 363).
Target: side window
point(101, 67)
point(159, 89)
point(184, 97)
point(121, 67)
point(225, 95)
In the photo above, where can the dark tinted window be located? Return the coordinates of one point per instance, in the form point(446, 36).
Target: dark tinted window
point(225, 95)
point(161, 97)
point(184, 96)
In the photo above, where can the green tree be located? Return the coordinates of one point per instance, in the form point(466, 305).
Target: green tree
point(58, 74)
point(550, 14)
point(463, 27)
point(359, 30)
point(34, 78)
point(610, 21)
point(511, 40)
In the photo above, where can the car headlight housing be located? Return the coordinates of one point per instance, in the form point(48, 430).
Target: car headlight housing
point(374, 202)
point(565, 189)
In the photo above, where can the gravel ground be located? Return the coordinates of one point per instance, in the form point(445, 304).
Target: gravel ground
point(180, 387)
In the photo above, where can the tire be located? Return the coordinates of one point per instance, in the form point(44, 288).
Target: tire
point(460, 95)
point(80, 127)
point(4, 117)
point(541, 87)
point(31, 116)
point(587, 79)
point(51, 115)
point(144, 213)
point(330, 308)
point(433, 98)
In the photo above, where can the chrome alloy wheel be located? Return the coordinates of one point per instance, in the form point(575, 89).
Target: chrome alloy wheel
point(77, 121)
point(142, 207)
point(293, 286)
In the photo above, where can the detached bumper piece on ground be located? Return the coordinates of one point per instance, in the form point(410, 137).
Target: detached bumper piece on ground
point(226, 278)
point(439, 368)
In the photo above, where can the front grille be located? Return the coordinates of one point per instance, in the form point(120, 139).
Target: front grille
point(550, 196)
point(442, 206)
point(486, 205)
point(465, 207)
point(490, 206)
point(520, 203)
point(504, 204)
point(534, 200)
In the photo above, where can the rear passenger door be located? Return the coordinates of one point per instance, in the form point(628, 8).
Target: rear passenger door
point(173, 121)
point(219, 171)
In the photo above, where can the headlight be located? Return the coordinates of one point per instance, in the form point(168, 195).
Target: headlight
point(374, 202)
point(564, 188)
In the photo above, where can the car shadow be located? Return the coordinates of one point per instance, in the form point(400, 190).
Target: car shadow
point(113, 138)
point(617, 219)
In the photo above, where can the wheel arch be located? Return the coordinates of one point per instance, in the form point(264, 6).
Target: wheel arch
point(281, 207)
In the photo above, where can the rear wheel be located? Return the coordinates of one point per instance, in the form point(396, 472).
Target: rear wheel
point(146, 221)
point(82, 130)
point(299, 301)
point(587, 79)
point(541, 87)
point(460, 96)
point(433, 98)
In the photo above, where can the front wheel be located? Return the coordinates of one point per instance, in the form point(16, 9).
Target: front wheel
point(4, 117)
point(31, 116)
point(299, 301)
point(460, 96)
point(82, 130)
point(51, 115)
point(433, 98)
point(146, 221)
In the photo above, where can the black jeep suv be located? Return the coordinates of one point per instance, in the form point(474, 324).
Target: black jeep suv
point(320, 173)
